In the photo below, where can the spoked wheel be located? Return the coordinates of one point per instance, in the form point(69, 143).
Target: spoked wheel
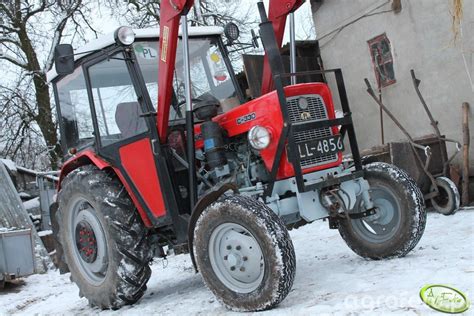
point(102, 238)
point(400, 216)
point(448, 200)
point(244, 253)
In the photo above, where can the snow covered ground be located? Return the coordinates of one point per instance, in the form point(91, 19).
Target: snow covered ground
point(330, 279)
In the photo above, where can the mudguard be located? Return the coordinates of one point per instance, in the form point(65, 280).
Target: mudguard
point(201, 205)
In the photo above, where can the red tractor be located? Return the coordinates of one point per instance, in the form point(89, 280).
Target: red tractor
point(162, 149)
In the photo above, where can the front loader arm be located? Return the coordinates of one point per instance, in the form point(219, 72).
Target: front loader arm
point(170, 14)
point(277, 13)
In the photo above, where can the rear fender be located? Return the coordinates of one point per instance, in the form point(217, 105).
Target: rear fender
point(88, 157)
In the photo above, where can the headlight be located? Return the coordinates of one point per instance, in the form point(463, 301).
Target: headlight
point(124, 35)
point(231, 31)
point(259, 137)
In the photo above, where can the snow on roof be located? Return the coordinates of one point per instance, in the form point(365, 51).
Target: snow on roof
point(9, 164)
point(108, 39)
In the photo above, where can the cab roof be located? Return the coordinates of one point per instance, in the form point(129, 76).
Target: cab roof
point(140, 34)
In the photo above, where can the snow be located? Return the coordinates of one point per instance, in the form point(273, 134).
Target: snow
point(330, 279)
point(33, 203)
point(45, 233)
point(9, 164)
point(51, 175)
point(24, 195)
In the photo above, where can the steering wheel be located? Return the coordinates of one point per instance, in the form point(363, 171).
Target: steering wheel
point(184, 102)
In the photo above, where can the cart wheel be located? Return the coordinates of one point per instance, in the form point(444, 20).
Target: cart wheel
point(448, 200)
point(244, 253)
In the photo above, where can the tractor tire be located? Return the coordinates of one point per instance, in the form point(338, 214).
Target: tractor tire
point(104, 241)
point(448, 200)
point(244, 253)
point(399, 222)
point(58, 258)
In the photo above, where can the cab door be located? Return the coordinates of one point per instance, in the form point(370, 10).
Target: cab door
point(124, 135)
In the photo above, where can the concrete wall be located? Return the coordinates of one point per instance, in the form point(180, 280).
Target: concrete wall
point(421, 39)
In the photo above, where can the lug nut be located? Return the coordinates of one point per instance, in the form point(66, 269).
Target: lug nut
point(232, 268)
point(245, 258)
point(229, 247)
point(225, 257)
point(238, 248)
point(242, 269)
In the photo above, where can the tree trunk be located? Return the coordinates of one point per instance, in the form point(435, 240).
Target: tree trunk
point(44, 117)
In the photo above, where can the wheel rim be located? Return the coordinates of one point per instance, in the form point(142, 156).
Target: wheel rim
point(236, 258)
point(87, 234)
point(384, 224)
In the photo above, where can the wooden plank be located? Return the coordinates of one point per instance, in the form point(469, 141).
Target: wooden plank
point(466, 143)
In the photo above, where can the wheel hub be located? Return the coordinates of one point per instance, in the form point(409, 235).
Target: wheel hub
point(236, 258)
point(86, 242)
point(89, 238)
point(381, 226)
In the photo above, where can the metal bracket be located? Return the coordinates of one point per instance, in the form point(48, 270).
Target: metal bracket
point(366, 213)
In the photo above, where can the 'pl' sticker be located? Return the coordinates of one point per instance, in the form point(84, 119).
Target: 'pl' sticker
point(146, 52)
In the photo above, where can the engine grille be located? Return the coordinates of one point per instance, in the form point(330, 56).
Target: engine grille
point(317, 111)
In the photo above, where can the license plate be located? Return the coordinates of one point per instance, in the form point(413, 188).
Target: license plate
point(320, 147)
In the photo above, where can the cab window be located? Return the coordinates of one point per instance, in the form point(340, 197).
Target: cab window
point(118, 112)
point(75, 112)
point(209, 73)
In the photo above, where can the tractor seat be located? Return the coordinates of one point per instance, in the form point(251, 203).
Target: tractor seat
point(129, 122)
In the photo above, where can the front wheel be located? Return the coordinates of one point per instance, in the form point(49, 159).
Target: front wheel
point(400, 216)
point(244, 253)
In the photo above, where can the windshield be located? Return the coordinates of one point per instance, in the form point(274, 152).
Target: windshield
point(209, 73)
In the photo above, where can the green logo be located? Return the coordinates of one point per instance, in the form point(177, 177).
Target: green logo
point(444, 299)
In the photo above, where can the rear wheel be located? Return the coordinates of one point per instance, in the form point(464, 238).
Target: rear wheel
point(448, 200)
point(244, 253)
point(104, 241)
point(400, 216)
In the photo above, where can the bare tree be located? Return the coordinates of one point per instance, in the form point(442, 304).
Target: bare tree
point(29, 31)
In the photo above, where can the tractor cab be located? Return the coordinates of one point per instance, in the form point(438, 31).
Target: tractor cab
point(110, 103)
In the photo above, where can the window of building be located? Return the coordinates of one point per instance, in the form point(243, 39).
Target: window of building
point(382, 60)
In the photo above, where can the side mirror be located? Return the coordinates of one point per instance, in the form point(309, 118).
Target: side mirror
point(64, 59)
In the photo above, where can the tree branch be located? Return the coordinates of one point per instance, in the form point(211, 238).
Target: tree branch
point(44, 5)
point(6, 11)
point(5, 39)
point(14, 61)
